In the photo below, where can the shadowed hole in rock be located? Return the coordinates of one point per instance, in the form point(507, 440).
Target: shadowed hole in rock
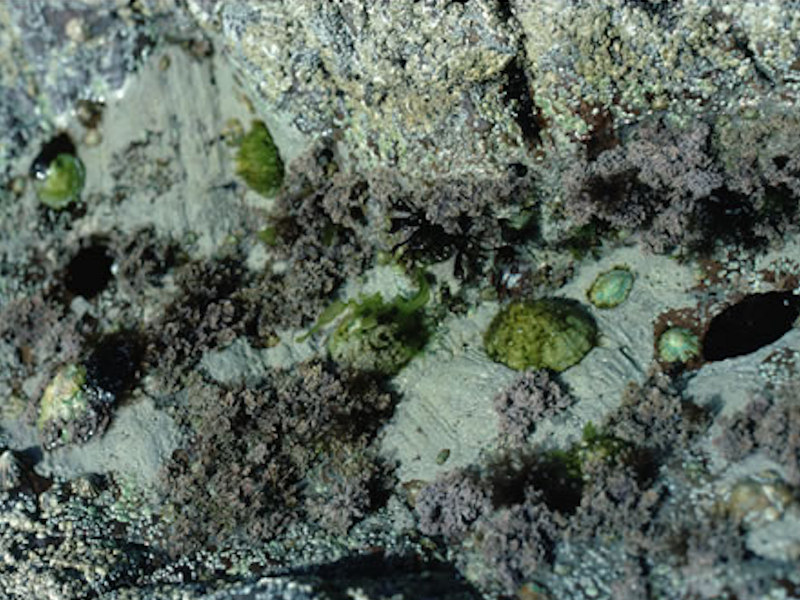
point(114, 361)
point(752, 323)
point(89, 272)
point(61, 144)
point(726, 216)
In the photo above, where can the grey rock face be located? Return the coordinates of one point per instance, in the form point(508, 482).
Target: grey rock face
point(419, 87)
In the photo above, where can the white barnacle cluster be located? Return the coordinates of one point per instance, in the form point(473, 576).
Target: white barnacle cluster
point(10, 471)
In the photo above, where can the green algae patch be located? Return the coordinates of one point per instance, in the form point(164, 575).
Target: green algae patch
point(258, 161)
point(379, 336)
point(375, 335)
point(595, 446)
point(550, 333)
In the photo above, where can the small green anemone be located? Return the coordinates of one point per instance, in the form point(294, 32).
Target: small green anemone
point(678, 344)
point(611, 288)
point(258, 161)
point(60, 183)
point(550, 333)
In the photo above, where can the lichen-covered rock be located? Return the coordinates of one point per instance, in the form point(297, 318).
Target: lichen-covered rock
point(421, 87)
point(550, 333)
point(56, 52)
point(654, 56)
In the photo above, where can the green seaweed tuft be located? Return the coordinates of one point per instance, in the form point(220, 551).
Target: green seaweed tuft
point(258, 161)
point(377, 336)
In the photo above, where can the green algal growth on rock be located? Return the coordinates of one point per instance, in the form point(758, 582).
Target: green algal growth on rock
point(550, 333)
point(678, 344)
point(378, 336)
point(64, 402)
point(78, 402)
point(595, 446)
point(59, 183)
point(611, 288)
point(258, 161)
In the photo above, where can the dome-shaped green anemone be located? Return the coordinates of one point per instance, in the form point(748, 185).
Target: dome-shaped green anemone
point(60, 183)
point(611, 288)
point(551, 333)
point(678, 344)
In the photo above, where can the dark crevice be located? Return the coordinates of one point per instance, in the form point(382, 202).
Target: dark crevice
point(114, 361)
point(752, 323)
point(61, 144)
point(89, 271)
point(726, 216)
point(518, 92)
point(504, 9)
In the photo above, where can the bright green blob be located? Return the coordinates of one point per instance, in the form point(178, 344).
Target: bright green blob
point(611, 288)
point(551, 333)
point(379, 336)
point(258, 161)
point(678, 344)
point(61, 183)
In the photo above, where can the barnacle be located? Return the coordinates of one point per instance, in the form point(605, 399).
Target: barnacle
point(678, 344)
point(77, 403)
point(552, 333)
point(611, 288)
point(258, 161)
point(760, 499)
point(10, 471)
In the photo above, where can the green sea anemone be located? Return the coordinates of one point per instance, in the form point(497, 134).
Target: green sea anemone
point(258, 161)
point(551, 333)
point(611, 288)
point(60, 183)
point(678, 344)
